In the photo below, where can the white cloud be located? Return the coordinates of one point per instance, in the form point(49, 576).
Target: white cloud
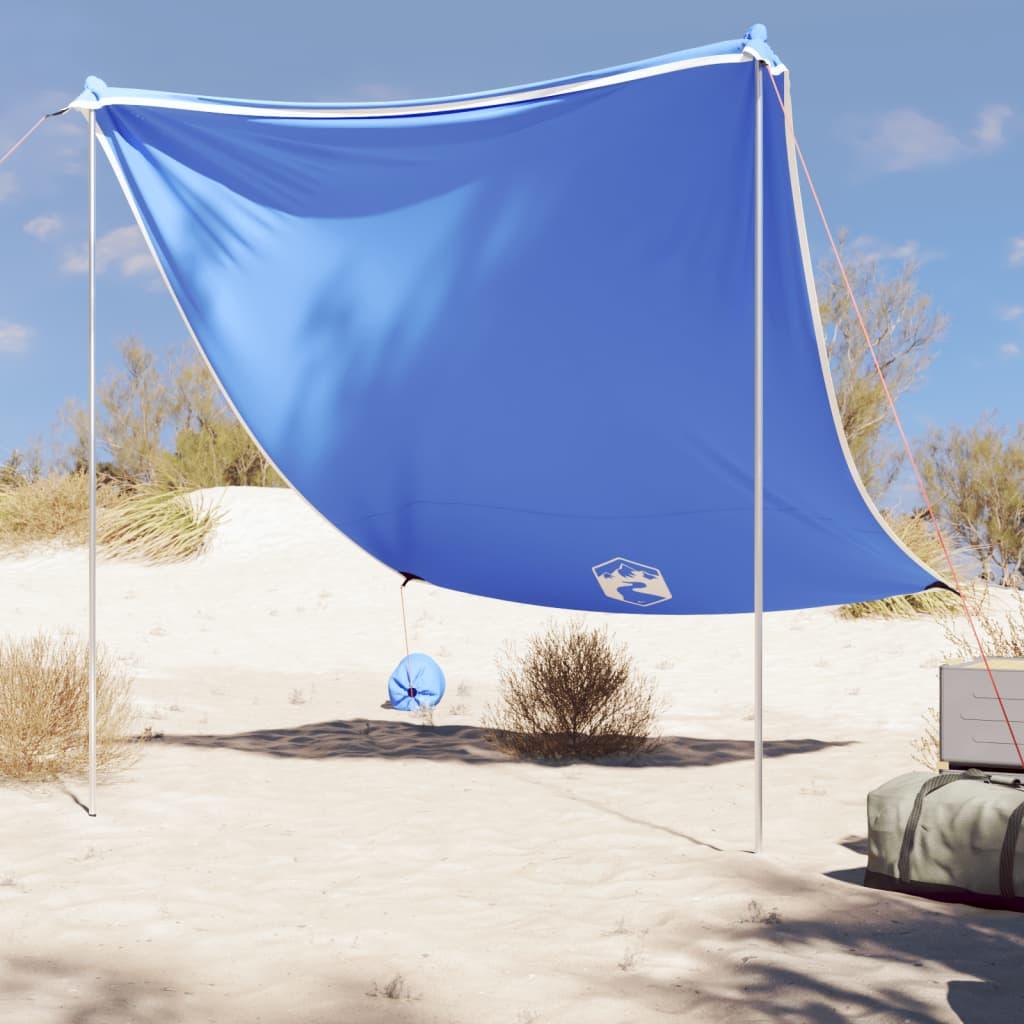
point(123, 248)
point(991, 119)
point(1011, 312)
point(868, 247)
point(904, 139)
point(13, 337)
point(8, 185)
point(1017, 251)
point(44, 226)
point(1011, 350)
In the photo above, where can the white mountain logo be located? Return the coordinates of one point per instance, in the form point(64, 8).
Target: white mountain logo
point(633, 582)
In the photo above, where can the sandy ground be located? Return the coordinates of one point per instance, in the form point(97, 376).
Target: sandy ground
point(290, 851)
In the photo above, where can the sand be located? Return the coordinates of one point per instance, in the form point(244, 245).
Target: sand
point(292, 851)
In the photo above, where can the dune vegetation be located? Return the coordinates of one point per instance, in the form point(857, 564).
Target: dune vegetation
point(974, 476)
point(573, 694)
point(149, 524)
point(164, 431)
point(156, 526)
point(44, 709)
point(917, 532)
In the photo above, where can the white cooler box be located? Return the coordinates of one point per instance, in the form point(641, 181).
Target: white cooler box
point(972, 730)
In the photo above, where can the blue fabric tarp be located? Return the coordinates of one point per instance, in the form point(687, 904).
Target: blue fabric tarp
point(505, 342)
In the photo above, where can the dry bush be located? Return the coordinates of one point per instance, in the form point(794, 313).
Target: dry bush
point(925, 749)
point(573, 694)
point(1002, 635)
point(44, 709)
point(918, 534)
point(51, 508)
point(156, 526)
point(756, 914)
point(396, 988)
point(152, 525)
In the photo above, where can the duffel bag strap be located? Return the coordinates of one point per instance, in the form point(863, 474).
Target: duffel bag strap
point(1009, 851)
point(932, 784)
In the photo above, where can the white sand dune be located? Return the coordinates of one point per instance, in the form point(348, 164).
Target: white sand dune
point(289, 847)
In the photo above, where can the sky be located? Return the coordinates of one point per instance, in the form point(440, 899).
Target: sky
point(911, 116)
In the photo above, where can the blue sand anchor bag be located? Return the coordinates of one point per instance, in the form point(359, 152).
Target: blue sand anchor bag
point(417, 682)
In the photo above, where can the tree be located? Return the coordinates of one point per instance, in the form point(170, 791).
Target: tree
point(976, 477)
point(211, 446)
point(165, 423)
point(21, 468)
point(138, 405)
point(903, 326)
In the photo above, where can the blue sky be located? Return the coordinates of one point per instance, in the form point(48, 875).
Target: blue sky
point(912, 121)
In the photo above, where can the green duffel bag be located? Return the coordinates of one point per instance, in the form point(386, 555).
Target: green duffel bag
point(954, 836)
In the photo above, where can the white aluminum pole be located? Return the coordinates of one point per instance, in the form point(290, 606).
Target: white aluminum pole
point(758, 456)
point(92, 463)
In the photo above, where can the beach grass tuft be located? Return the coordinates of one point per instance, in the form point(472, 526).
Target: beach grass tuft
point(44, 710)
point(147, 524)
point(157, 526)
point(52, 509)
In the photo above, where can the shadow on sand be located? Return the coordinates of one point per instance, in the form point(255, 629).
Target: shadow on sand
point(467, 743)
point(102, 990)
point(861, 955)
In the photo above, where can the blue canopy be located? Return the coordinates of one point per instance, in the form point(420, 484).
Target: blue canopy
point(505, 341)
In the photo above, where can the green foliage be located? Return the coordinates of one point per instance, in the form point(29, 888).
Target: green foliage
point(20, 468)
point(137, 407)
point(143, 510)
point(976, 477)
point(165, 424)
point(218, 454)
point(903, 327)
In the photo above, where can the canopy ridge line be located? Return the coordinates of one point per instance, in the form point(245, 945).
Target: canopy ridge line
point(923, 490)
point(17, 145)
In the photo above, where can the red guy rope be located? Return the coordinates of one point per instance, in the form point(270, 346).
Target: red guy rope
point(899, 424)
point(23, 139)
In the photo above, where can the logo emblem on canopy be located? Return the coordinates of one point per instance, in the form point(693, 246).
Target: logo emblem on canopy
point(632, 582)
